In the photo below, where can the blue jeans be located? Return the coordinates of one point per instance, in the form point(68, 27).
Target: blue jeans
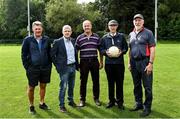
point(67, 79)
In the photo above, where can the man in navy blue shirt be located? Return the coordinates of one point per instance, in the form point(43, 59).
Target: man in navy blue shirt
point(141, 57)
point(114, 65)
point(36, 60)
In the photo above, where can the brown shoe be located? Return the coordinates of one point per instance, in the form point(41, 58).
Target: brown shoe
point(63, 109)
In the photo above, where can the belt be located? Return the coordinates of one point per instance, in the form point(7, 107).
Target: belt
point(139, 59)
point(71, 64)
point(89, 59)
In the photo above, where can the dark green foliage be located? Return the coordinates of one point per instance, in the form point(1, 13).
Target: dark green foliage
point(169, 19)
point(56, 13)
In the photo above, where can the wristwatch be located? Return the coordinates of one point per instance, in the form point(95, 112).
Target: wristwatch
point(150, 62)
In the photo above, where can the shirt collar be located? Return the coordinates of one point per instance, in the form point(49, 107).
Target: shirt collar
point(38, 38)
point(66, 39)
point(86, 35)
point(113, 34)
point(140, 30)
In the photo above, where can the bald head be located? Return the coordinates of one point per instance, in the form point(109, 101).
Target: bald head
point(87, 26)
point(86, 22)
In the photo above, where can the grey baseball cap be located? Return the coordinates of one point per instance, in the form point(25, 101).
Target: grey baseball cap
point(138, 16)
point(112, 22)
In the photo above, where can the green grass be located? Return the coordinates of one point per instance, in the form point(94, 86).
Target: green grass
point(166, 90)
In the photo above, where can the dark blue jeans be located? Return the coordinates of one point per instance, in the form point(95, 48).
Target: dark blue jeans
point(141, 78)
point(67, 79)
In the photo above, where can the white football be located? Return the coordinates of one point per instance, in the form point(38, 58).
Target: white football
point(114, 51)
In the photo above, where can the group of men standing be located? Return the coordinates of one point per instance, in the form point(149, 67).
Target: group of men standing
point(38, 56)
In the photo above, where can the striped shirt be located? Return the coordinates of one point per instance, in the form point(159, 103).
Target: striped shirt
point(88, 46)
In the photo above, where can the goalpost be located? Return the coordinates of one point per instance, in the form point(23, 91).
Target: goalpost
point(156, 22)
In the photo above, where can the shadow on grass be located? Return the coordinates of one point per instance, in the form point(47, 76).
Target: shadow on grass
point(52, 114)
point(102, 112)
point(93, 111)
point(115, 112)
point(68, 114)
point(37, 115)
point(156, 114)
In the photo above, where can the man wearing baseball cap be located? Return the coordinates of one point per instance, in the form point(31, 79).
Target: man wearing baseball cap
point(141, 58)
point(114, 65)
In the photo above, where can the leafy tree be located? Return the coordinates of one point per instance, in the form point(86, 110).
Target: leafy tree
point(169, 19)
point(56, 13)
point(15, 17)
point(124, 10)
point(2, 19)
point(60, 12)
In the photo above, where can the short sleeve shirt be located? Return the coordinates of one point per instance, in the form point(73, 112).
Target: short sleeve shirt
point(140, 43)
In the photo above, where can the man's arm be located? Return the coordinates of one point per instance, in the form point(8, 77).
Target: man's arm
point(152, 54)
point(125, 45)
point(54, 50)
point(101, 60)
point(149, 67)
point(25, 54)
point(129, 60)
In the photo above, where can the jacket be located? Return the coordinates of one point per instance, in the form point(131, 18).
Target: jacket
point(59, 55)
point(32, 56)
point(119, 41)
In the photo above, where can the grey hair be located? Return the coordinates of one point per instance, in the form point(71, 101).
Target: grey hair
point(66, 27)
point(36, 23)
point(87, 21)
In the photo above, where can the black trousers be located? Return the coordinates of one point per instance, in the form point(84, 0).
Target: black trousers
point(141, 78)
point(86, 66)
point(115, 77)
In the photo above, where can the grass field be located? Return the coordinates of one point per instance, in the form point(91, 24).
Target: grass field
point(14, 102)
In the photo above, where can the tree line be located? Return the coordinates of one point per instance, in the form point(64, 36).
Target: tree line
point(56, 13)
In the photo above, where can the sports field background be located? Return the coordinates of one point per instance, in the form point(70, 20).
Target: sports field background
point(14, 102)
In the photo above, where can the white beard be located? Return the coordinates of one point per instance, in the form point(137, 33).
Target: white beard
point(138, 28)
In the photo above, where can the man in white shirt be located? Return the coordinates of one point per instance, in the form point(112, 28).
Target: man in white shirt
point(64, 58)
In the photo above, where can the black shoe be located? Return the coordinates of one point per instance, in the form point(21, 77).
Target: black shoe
point(72, 104)
point(145, 113)
point(121, 107)
point(136, 108)
point(32, 110)
point(43, 106)
point(63, 109)
point(97, 102)
point(82, 103)
point(110, 104)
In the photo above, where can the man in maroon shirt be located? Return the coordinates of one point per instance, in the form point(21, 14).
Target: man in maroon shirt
point(88, 44)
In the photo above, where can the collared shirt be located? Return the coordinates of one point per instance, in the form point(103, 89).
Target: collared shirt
point(88, 45)
point(39, 41)
point(140, 43)
point(113, 34)
point(70, 51)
